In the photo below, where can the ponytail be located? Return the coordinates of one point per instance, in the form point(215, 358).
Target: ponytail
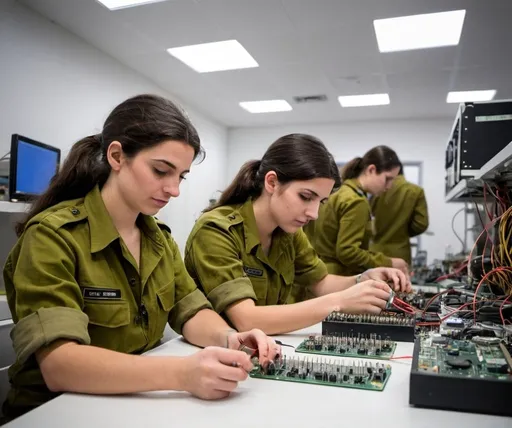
point(84, 168)
point(384, 159)
point(247, 183)
point(352, 169)
point(293, 157)
point(139, 123)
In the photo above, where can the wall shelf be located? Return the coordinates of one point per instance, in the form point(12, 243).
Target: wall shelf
point(498, 168)
point(14, 207)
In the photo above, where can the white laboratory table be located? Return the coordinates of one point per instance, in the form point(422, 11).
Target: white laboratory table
point(258, 403)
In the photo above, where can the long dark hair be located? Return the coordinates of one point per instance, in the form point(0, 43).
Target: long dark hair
point(138, 123)
point(384, 159)
point(292, 157)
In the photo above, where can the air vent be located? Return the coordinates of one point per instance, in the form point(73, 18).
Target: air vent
point(310, 99)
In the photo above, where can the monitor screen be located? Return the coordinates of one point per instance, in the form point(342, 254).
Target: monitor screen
point(33, 164)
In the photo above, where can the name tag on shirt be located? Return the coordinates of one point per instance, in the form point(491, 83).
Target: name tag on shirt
point(253, 271)
point(102, 293)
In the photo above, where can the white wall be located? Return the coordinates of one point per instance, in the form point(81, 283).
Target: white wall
point(56, 88)
point(423, 141)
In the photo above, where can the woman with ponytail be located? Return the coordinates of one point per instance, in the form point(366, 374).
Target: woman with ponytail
point(343, 230)
point(249, 255)
point(94, 277)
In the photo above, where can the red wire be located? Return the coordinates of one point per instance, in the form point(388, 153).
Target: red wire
point(402, 309)
point(498, 269)
point(457, 271)
point(403, 306)
point(485, 203)
point(501, 310)
point(435, 296)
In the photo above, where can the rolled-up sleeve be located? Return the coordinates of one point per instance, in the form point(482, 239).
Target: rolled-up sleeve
point(189, 299)
point(48, 299)
point(212, 258)
point(309, 269)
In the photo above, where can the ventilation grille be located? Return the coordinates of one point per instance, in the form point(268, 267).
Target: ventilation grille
point(310, 99)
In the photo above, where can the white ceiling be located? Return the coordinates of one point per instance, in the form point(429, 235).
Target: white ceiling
point(303, 47)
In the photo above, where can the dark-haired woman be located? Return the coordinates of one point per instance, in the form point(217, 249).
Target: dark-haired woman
point(94, 277)
point(248, 251)
point(343, 230)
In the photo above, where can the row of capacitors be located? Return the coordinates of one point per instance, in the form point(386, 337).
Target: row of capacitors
point(371, 344)
point(388, 318)
point(334, 371)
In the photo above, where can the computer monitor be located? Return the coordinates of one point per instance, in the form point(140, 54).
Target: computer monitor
point(32, 166)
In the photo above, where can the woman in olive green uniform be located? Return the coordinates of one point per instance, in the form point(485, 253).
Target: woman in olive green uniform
point(249, 251)
point(94, 277)
point(399, 214)
point(343, 230)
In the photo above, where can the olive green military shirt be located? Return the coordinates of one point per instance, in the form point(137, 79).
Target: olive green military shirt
point(399, 214)
point(70, 276)
point(342, 232)
point(225, 258)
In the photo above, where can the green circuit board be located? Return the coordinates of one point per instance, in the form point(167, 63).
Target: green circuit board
point(477, 358)
point(357, 374)
point(360, 346)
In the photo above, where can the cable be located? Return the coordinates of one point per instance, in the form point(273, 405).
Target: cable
point(435, 296)
point(501, 310)
point(6, 156)
point(453, 227)
point(481, 282)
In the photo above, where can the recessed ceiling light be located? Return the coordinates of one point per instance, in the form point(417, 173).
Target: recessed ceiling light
point(216, 56)
point(469, 96)
point(122, 4)
point(268, 106)
point(419, 31)
point(364, 100)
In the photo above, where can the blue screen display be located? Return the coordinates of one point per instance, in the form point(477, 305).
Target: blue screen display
point(35, 167)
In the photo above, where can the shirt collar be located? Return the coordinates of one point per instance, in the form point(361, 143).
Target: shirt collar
point(102, 229)
point(252, 239)
point(356, 186)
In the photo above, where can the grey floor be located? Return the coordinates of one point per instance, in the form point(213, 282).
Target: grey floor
point(5, 313)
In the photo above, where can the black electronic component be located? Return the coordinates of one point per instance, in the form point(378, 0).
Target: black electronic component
point(477, 380)
point(396, 326)
point(459, 363)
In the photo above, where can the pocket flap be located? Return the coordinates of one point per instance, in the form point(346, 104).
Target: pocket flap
point(166, 297)
point(109, 314)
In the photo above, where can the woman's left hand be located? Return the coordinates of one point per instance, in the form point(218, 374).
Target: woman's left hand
point(397, 280)
point(265, 348)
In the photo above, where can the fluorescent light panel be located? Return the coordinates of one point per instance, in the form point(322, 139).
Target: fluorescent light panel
point(419, 31)
point(364, 100)
point(216, 56)
point(268, 106)
point(469, 96)
point(122, 4)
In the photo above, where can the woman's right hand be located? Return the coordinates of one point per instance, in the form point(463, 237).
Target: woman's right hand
point(214, 372)
point(367, 297)
point(400, 264)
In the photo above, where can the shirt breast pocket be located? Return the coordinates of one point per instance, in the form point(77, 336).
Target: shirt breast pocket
point(166, 301)
point(108, 320)
point(109, 314)
point(260, 287)
point(288, 276)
